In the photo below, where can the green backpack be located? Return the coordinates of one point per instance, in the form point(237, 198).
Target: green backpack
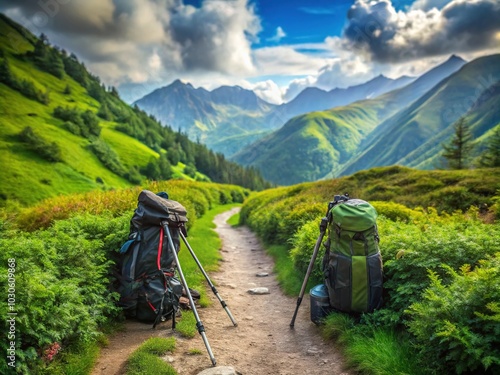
point(352, 264)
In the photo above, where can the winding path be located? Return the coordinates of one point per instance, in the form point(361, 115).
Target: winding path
point(262, 343)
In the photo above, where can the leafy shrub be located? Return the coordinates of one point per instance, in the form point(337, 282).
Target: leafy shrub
point(134, 176)
point(395, 211)
point(75, 69)
point(91, 123)
point(25, 87)
point(119, 202)
point(190, 170)
point(68, 114)
point(107, 156)
point(409, 251)
point(79, 123)
point(105, 113)
point(62, 283)
point(302, 250)
point(48, 150)
point(457, 324)
point(72, 128)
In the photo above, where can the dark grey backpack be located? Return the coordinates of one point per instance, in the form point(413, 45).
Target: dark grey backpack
point(149, 291)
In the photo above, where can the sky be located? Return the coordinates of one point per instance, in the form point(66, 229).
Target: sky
point(276, 48)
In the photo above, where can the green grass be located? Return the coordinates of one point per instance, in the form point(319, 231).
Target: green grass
point(77, 360)
point(289, 279)
point(234, 220)
point(80, 361)
point(145, 359)
point(131, 151)
point(186, 325)
point(372, 350)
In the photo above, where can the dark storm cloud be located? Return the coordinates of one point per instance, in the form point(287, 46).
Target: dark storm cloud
point(387, 35)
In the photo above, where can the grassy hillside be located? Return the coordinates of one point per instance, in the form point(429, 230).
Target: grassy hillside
point(430, 119)
point(309, 146)
point(480, 119)
point(324, 142)
point(63, 131)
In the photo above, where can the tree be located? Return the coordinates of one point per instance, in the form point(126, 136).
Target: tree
point(67, 90)
point(47, 150)
point(491, 157)
point(6, 75)
point(457, 152)
point(165, 168)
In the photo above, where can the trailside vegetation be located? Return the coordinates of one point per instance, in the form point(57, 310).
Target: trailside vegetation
point(62, 254)
point(440, 244)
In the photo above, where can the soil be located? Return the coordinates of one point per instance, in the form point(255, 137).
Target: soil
point(262, 342)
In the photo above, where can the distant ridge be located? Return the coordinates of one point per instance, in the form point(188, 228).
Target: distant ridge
point(326, 143)
point(231, 117)
point(313, 99)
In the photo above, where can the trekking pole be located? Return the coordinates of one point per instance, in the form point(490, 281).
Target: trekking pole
point(224, 305)
point(322, 228)
point(199, 324)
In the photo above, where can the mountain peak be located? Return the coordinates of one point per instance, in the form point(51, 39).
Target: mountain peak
point(179, 83)
point(379, 78)
point(455, 58)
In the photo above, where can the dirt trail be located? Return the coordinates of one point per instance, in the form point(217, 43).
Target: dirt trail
point(262, 343)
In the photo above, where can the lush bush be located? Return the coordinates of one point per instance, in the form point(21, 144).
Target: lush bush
point(396, 212)
point(197, 197)
point(107, 156)
point(302, 250)
point(48, 150)
point(25, 87)
point(85, 123)
point(61, 285)
point(457, 324)
point(410, 250)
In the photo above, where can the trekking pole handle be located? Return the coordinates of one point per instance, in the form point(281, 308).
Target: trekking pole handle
point(323, 224)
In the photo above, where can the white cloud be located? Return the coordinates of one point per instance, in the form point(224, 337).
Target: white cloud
point(429, 4)
point(285, 60)
point(296, 86)
point(269, 91)
point(152, 42)
point(280, 34)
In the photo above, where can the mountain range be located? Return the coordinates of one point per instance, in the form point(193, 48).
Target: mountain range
point(230, 117)
point(406, 126)
point(63, 131)
point(323, 134)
